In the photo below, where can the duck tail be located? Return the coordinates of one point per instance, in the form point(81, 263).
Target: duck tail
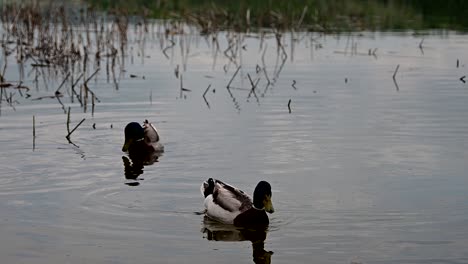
point(207, 187)
point(151, 134)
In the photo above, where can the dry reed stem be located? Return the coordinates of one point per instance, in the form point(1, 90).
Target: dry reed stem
point(204, 94)
point(73, 130)
point(232, 78)
point(396, 70)
point(68, 120)
point(34, 132)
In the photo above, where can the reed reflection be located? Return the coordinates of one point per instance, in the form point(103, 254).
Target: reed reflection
point(216, 231)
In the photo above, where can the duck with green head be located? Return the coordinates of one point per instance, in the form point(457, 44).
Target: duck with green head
point(229, 205)
point(141, 140)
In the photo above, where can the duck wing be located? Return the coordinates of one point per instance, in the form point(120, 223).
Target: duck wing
point(230, 198)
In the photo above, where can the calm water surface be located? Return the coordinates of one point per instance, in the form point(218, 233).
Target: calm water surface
point(362, 171)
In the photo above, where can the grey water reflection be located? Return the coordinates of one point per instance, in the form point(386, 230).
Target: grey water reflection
point(215, 231)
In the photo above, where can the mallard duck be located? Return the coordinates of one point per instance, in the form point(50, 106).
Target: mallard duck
point(141, 140)
point(229, 205)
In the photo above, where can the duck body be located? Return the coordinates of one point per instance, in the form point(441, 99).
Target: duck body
point(229, 205)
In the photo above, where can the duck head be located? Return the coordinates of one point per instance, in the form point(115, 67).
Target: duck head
point(262, 197)
point(133, 133)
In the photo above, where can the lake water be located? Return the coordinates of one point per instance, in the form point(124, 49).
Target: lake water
point(363, 170)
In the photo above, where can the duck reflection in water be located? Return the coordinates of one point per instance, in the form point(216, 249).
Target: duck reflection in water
point(143, 148)
point(216, 231)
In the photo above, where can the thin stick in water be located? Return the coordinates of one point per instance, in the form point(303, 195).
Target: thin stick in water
point(68, 121)
point(232, 78)
point(92, 103)
point(421, 43)
point(207, 89)
point(252, 91)
point(34, 132)
point(34, 126)
point(204, 98)
point(63, 82)
point(396, 70)
point(92, 75)
point(181, 86)
point(69, 134)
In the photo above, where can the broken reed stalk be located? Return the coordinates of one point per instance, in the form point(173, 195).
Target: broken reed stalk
point(304, 11)
point(251, 83)
point(57, 95)
point(168, 47)
point(92, 75)
point(263, 62)
point(34, 126)
point(69, 134)
point(207, 89)
point(73, 89)
point(181, 86)
point(204, 94)
point(34, 132)
point(68, 121)
point(63, 82)
point(252, 91)
point(92, 103)
point(396, 70)
point(1, 98)
point(232, 78)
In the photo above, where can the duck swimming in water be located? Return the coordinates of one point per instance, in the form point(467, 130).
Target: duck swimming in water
point(141, 140)
point(229, 205)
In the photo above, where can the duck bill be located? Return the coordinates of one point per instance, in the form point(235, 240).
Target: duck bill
point(126, 145)
point(268, 205)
